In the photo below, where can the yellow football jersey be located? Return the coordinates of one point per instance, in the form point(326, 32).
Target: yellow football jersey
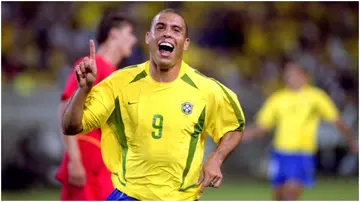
point(153, 133)
point(296, 116)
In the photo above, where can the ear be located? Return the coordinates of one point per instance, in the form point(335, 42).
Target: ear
point(186, 43)
point(147, 38)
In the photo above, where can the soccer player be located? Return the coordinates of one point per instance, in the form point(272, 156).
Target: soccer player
point(82, 171)
point(296, 112)
point(155, 117)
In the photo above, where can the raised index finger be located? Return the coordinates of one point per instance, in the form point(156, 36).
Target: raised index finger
point(92, 49)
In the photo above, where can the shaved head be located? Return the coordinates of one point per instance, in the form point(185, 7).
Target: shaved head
point(169, 10)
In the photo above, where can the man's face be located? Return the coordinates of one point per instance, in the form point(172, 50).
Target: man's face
point(167, 40)
point(125, 39)
point(294, 76)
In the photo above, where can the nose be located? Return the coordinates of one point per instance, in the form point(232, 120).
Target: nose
point(167, 33)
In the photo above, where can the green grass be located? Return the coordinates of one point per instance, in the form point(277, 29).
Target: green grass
point(326, 189)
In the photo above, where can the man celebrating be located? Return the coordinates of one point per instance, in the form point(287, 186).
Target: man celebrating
point(154, 118)
point(82, 171)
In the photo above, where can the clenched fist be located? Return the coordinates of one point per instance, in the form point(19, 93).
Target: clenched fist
point(86, 70)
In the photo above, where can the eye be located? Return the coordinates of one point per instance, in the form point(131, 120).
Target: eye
point(159, 27)
point(176, 29)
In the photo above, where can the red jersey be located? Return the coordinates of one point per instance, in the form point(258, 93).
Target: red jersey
point(104, 69)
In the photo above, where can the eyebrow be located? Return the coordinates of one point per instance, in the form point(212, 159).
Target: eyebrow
point(176, 26)
point(159, 23)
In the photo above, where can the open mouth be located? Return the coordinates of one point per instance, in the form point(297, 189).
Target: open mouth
point(165, 48)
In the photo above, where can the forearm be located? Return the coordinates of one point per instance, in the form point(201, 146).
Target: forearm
point(254, 132)
point(344, 130)
point(73, 113)
point(227, 144)
point(72, 147)
point(70, 142)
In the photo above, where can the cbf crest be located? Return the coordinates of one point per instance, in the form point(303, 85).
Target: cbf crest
point(187, 108)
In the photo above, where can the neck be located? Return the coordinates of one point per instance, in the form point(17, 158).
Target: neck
point(159, 75)
point(110, 54)
point(298, 87)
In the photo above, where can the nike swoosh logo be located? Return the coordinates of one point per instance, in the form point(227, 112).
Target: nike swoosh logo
point(131, 103)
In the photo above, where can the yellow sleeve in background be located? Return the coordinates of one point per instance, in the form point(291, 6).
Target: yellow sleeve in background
point(326, 107)
point(265, 118)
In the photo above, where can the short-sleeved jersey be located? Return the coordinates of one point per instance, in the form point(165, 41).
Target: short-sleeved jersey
point(296, 116)
point(104, 69)
point(154, 133)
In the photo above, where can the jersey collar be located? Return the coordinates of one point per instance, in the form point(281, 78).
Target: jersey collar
point(182, 71)
point(304, 88)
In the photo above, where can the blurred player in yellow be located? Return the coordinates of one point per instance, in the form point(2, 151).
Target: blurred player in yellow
point(154, 118)
point(296, 112)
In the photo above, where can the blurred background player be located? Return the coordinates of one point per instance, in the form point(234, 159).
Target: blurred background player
point(296, 112)
point(82, 172)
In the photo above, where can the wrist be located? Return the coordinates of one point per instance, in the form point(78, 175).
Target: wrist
point(75, 159)
point(75, 164)
point(248, 136)
point(217, 156)
point(85, 90)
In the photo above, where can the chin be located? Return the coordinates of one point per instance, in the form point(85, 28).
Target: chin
point(165, 65)
point(160, 61)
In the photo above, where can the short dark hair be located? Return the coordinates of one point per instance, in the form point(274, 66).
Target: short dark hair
point(170, 10)
point(111, 19)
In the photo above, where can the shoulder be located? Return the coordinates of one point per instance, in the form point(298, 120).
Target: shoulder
point(317, 93)
point(277, 96)
point(203, 82)
point(315, 90)
point(210, 86)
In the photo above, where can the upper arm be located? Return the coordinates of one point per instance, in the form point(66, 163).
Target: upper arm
point(225, 113)
point(266, 117)
point(98, 105)
point(62, 107)
point(326, 107)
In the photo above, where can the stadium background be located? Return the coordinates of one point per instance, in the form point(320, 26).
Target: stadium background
point(242, 44)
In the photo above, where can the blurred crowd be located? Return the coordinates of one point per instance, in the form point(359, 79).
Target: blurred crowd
point(242, 43)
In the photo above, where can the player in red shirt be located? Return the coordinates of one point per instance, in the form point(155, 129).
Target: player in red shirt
point(82, 171)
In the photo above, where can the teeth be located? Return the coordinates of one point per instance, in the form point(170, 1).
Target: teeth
point(166, 44)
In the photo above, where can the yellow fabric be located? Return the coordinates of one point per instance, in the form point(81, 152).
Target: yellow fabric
point(296, 116)
point(158, 156)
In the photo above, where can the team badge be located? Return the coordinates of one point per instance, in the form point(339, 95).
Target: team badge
point(187, 108)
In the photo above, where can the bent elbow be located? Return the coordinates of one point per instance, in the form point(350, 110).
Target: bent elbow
point(71, 129)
